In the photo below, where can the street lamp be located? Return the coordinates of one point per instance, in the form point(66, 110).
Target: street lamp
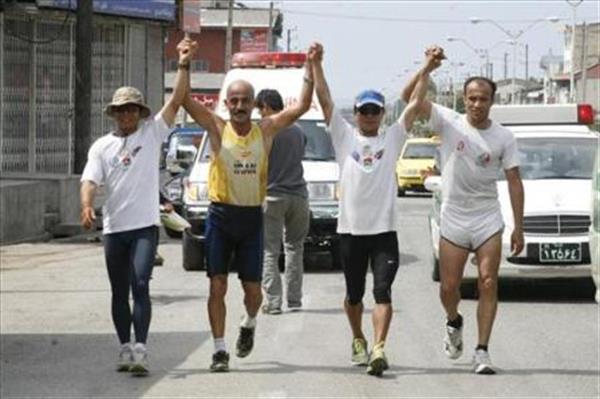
point(483, 53)
point(514, 36)
point(454, 80)
point(479, 52)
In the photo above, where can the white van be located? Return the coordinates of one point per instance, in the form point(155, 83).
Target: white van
point(283, 72)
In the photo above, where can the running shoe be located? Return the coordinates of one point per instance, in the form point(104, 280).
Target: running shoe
point(482, 363)
point(139, 366)
point(125, 358)
point(220, 362)
point(360, 354)
point(245, 341)
point(158, 260)
point(378, 361)
point(267, 309)
point(453, 345)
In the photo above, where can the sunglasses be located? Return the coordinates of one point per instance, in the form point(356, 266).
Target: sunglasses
point(370, 109)
point(131, 109)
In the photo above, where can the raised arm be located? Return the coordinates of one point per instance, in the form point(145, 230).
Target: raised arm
point(321, 87)
point(272, 124)
point(419, 105)
point(517, 199)
point(207, 119)
point(410, 88)
point(186, 49)
point(87, 194)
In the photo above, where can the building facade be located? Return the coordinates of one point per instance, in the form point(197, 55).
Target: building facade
point(250, 33)
point(37, 86)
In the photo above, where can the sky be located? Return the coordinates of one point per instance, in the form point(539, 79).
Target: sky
point(378, 44)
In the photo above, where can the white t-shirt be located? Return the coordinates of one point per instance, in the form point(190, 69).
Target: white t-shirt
point(471, 158)
point(128, 169)
point(367, 176)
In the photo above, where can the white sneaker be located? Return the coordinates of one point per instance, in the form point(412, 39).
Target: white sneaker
point(360, 353)
point(482, 364)
point(453, 345)
point(140, 360)
point(125, 358)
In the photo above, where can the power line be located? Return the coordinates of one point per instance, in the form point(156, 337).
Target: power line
point(394, 19)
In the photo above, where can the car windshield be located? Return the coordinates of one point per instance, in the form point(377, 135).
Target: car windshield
point(182, 140)
point(556, 158)
point(419, 151)
point(318, 143)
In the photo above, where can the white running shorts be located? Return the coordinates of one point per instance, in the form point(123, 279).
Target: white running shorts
point(470, 228)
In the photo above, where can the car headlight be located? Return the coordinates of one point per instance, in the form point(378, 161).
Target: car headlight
point(196, 191)
point(173, 190)
point(322, 191)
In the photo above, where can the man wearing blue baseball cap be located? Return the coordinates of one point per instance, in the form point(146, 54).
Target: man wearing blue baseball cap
point(367, 222)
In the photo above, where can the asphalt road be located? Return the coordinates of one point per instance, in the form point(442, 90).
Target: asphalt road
point(57, 338)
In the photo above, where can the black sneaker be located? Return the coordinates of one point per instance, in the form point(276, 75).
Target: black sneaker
point(245, 342)
point(158, 260)
point(220, 362)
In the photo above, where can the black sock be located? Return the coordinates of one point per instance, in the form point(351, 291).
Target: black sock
point(456, 323)
point(482, 347)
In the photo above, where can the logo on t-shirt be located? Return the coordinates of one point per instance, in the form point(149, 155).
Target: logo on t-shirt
point(124, 158)
point(484, 159)
point(367, 158)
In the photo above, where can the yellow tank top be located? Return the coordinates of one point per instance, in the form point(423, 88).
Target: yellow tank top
point(238, 174)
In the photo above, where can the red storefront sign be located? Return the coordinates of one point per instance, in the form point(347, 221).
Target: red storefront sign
point(253, 40)
point(190, 16)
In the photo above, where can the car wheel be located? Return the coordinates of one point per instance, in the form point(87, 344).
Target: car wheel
point(193, 251)
point(401, 192)
point(468, 290)
point(435, 272)
point(173, 233)
point(336, 255)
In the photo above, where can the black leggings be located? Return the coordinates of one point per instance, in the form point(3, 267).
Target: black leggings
point(129, 260)
point(381, 251)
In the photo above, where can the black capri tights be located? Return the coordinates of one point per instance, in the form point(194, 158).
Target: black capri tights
point(381, 251)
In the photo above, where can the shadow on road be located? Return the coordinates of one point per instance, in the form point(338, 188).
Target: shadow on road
point(82, 365)
point(579, 290)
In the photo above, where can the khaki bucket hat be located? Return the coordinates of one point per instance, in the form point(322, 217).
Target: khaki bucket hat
point(128, 95)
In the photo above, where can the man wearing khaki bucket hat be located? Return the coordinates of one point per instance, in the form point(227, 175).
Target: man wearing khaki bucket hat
point(125, 162)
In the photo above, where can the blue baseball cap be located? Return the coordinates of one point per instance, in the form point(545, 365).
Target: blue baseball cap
point(369, 97)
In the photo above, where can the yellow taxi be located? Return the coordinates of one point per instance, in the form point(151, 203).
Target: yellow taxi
point(416, 159)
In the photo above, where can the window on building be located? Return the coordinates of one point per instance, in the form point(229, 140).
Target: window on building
point(200, 66)
point(196, 66)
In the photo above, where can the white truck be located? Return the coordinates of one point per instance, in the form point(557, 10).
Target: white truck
point(283, 72)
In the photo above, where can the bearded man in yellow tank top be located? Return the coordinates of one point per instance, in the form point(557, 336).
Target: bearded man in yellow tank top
point(237, 188)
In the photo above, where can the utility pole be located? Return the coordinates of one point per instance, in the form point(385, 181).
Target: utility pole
point(527, 62)
point(505, 65)
point(583, 78)
point(289, 35)
point(270, 31)
point(229, 37)
point(83, 82)
point(574, 4)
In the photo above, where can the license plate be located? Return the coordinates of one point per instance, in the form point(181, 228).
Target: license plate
point(560, 253)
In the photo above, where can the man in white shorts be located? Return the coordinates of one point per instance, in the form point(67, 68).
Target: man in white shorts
point(473, 150)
